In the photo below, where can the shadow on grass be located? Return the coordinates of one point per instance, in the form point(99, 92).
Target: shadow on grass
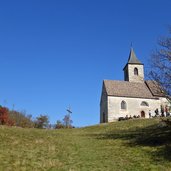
point(157, 135)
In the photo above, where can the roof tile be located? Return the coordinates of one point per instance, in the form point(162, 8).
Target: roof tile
point(127, 89)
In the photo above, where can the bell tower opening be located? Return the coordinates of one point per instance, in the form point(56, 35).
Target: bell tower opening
point(135, 71)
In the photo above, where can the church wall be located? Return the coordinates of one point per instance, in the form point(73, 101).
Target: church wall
point(136, 78)
point(164, 101)
point(103, 107)
point(134, 107)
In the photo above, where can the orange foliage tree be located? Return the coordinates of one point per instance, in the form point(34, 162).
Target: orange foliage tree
point(4, 118)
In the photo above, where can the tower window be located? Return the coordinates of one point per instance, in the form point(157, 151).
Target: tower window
point(135, 71)
point(123, 105)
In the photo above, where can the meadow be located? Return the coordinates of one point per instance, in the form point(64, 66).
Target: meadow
point(133, 145)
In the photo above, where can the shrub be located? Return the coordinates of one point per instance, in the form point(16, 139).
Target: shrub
point(41, 121)
point(21, 119)
point(59, 125)
point(4, 117)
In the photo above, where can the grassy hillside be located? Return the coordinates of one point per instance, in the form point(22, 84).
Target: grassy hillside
point(128, 145)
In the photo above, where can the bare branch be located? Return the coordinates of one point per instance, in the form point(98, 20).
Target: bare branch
point(161, 63)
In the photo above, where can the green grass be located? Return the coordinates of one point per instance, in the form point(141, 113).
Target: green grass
point(133, 145)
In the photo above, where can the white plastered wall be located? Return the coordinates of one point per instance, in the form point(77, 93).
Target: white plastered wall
point(136, 78)
point(133, 107)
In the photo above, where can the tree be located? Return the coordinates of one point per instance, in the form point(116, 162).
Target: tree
point(161, 64)
point(4, 117)
point(42, 121)
point(21, 119)
point(59, 125)
point(67, 121)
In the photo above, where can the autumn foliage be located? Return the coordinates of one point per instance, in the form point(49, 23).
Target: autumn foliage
point(20, 119)
point(4, 117)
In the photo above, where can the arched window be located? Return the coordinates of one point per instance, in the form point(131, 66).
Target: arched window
point(143, 103)
point(123, 105)
point(135, 71)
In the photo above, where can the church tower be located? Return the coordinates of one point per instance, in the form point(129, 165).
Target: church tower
point(134, 69)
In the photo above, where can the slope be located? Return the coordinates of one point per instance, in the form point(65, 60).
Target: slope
point(129, 145)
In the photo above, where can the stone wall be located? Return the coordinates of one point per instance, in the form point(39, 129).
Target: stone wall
point(103, 106)
point(135, 78)
point(134, 107)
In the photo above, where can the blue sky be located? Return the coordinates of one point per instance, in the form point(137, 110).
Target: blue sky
point(56, 53)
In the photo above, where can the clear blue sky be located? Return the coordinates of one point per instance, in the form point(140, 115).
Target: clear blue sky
point(56, 53)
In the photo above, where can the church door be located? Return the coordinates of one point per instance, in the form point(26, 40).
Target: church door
point(142, 114)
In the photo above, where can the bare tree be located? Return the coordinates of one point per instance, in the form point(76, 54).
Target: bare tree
point(21, 119)
point(161, 64)
point(67, 121)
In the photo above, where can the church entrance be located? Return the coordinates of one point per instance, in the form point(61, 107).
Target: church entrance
point(142, 114)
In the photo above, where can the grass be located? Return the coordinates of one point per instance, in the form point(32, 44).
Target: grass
point(134, 145)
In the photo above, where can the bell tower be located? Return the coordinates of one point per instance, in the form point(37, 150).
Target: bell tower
point(134, 69)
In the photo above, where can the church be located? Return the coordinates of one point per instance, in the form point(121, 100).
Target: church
point(132, 97)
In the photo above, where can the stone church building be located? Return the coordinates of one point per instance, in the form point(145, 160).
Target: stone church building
point(133, 96)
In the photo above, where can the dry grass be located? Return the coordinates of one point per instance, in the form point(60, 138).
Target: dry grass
point(128, 145)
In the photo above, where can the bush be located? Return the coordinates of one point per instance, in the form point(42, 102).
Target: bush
point(59, 125)
point(20, 119)
point(41, 121)
point(4, 117)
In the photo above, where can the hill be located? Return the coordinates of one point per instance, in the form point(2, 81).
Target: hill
point(142, 144)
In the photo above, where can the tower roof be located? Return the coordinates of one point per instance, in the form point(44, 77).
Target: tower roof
point(132, 58)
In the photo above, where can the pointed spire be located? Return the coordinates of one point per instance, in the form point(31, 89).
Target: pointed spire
point(132, 58)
